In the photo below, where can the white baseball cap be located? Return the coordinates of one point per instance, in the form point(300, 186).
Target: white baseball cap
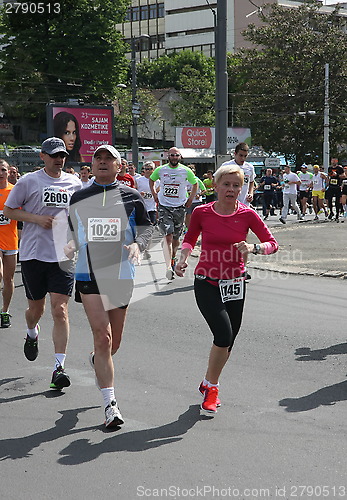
point(109, 148)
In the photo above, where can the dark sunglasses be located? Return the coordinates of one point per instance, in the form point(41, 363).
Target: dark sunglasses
point(174, 155)
point(148, 169)
point(4, 170)
point(56, 155)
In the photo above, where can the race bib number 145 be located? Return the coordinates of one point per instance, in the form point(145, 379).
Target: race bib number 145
point(231, 289)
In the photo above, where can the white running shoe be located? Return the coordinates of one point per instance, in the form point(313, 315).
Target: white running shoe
point(113, 417)
point(170, 274)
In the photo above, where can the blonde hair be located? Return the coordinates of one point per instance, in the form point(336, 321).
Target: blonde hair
point(228, 169)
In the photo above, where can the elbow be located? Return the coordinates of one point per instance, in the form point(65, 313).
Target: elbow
point(7, 212)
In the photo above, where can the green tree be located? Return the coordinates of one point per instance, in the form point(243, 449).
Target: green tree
point(192, 74)
point(123, 108)
point(283, 80)
point(71, 50)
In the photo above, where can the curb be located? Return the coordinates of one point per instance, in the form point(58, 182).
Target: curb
point(299, 271)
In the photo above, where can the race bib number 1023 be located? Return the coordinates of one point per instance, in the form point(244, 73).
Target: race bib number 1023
point(104, 229)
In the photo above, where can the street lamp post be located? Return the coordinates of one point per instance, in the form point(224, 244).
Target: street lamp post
point(135, 109)
point(221, 129)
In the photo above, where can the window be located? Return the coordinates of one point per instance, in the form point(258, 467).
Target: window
point(161, 10)
point(135, 14)
point(152, 11)
point(144, 12)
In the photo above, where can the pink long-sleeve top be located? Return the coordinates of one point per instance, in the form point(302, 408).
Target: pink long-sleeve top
point(218, 258)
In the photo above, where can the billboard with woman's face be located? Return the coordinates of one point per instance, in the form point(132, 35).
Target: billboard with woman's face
point(82, 128)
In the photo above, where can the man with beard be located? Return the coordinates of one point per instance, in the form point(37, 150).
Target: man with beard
point(172, 201)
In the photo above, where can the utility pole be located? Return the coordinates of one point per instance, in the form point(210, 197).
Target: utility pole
point(221, 129)
point(326, 145)
point(135, 105)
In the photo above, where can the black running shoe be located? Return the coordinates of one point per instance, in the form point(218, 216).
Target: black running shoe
point(5, 320)
point(31, 348)
point(59, 379)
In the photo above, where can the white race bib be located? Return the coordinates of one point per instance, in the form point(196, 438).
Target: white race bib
point(3, 220)
point(171, 190)
point(55, 196)
point(104, 229)
point(267, 187)
point(231, 289)
point(147, 196)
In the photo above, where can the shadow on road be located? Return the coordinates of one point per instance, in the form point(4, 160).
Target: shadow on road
point(83, 450)
point(327, 396)
point(15, 448)
point(307, 354)
point(170, 291)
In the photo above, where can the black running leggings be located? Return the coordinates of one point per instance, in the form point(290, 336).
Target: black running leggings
point(225, 319)
point(330, 193)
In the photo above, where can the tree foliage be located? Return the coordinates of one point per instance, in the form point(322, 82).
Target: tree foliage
point(193, 75)
point(123, 109)
point(73, 51)
point(283, 77)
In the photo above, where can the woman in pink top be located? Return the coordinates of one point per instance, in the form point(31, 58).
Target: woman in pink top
point(220, 273)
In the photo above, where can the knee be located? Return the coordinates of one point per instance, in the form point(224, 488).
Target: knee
point(8, 281)
point(102, 341)
point(60, 312)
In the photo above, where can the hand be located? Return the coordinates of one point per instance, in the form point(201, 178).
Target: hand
point(45, 221)
point(134, 253)
point(244, 248)
point(188, 203)
point(70, 249)
point(249, 197)
point(180, 268)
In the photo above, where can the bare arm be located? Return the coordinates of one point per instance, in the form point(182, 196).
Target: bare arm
point(152, 188)
point(192, 195)
point(44, 221)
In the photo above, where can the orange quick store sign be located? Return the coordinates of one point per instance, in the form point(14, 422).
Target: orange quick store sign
point(204, 137)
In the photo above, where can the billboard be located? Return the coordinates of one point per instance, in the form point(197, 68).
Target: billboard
point(204, 137)
point(82, 128)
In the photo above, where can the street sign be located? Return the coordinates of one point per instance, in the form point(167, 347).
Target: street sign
point(136, 109)
point(272, 162)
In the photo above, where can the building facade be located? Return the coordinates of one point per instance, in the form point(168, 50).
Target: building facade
point(174, 25)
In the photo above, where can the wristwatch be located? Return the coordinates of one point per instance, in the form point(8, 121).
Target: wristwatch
point(256, 248)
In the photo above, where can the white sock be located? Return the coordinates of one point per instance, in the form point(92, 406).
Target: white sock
point(213, 385)
point(205, 382)
point(33, 332)
point(59, 360)
point(108, 395)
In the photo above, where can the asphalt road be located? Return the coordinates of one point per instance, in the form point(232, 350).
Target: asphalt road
point(280, 433)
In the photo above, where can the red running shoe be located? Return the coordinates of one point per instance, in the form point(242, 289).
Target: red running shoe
point(209, 404)
point(202, 389)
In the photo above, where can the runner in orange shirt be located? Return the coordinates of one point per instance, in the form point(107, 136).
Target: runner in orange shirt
point(8, 248)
